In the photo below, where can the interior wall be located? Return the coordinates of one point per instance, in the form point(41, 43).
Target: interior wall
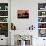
point(3, 1)
point(23, 24)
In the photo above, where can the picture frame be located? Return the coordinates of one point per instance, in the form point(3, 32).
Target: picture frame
point(42, 33)
point(22, 14)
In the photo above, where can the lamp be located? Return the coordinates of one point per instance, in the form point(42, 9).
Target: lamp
point(24, 37)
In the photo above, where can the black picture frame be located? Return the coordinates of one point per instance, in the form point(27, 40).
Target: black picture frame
point(22, 14)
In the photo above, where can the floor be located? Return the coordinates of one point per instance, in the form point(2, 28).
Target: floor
point(3, 45)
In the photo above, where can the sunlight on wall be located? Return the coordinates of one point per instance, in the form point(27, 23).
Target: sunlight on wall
point(3, 1)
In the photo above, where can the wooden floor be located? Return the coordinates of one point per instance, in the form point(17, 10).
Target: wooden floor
point(3, 45)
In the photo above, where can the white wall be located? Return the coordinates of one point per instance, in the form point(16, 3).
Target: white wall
point(23, 24)
point(3, 1)
point(5, 39)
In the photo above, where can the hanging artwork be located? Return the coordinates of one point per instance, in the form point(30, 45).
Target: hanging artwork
point(42, 32)
point(22, 13)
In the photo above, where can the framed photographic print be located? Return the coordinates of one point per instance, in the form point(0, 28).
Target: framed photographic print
point(3, 19)
point(42, 32)
point(3, 13)
point(41, 25)
point(41, 6)
point(22, 13)
point(41, 19)
point(4, 29)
